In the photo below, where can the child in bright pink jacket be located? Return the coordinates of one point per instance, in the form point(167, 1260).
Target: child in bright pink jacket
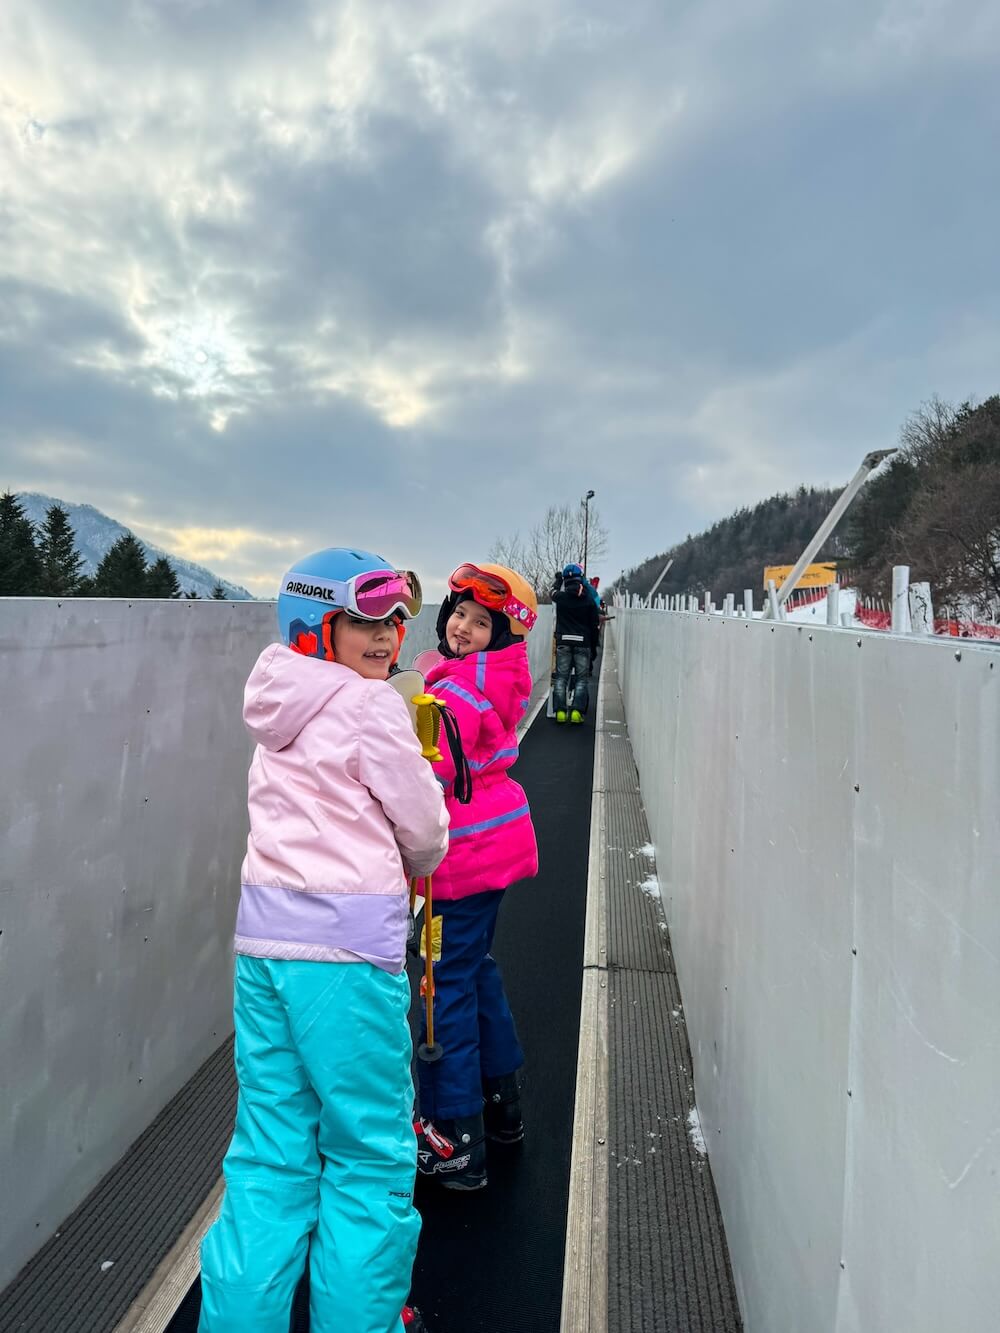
point(485, 680)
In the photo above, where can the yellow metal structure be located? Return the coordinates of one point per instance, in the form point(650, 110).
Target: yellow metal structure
point(813, 576)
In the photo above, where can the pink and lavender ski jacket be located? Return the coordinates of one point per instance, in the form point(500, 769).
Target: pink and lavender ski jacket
point(491, 842)
point(342, 808)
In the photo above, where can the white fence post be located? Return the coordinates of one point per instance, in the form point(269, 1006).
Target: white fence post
point(729, 605)
point(708, 603)
point(748, 603)
point(833, 604)
point(901, 599)
point(772, 601)
point(921, 608)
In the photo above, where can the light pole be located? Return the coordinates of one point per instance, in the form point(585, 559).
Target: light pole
point(868, 464)
point(586, 524)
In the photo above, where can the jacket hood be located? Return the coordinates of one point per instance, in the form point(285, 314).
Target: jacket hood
point(285, 690)
point(502, 675)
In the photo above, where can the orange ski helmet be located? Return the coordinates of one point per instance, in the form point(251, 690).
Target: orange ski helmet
point(499, 589)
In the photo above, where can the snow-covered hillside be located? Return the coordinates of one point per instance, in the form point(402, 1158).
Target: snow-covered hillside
point(815, 612)
point(96, 533)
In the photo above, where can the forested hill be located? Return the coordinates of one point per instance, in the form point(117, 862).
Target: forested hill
point(935, 508)
point(732, 554)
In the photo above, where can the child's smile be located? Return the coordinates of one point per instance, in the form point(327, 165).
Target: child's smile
point(469, 629)
point(366, 646)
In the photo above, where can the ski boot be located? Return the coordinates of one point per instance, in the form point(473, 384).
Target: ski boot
point(413, 1320)
point(502, 1110)
point(453, 1150)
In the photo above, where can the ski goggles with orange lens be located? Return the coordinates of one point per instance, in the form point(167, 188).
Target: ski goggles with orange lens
point(375, 595)
point(491, 591)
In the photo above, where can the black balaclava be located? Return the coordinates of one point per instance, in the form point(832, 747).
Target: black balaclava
point(502, 636)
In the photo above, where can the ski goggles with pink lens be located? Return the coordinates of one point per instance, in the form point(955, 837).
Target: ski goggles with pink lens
point(374, 595)
point(491, 591)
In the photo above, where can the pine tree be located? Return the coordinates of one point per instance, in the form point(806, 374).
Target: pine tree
point(219, 593)
point(162, 581)
point(192, 596)
point(62, 567)
point(122, 572)
point(20, 564)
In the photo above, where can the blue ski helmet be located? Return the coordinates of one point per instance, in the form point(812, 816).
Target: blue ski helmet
point(572, 571)
point(305, 616)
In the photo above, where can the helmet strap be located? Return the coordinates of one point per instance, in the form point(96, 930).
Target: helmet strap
point(328, 653)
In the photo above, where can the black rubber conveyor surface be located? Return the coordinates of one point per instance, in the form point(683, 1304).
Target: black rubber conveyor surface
point(493, 1262)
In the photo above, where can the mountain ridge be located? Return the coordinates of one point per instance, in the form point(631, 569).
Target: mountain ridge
point(96, 532)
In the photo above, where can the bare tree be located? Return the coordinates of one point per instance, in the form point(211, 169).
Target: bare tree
point(508, 551)
point(928, 430)
point(552, 543)
point(954, 525)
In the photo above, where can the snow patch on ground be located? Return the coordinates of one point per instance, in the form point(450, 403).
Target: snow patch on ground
point(694, 1130)
point(651, 886)
point(647, 850)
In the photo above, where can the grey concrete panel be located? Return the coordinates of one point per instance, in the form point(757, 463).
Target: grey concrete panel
point(123, 819)
point(812, 792)
point(123, 809)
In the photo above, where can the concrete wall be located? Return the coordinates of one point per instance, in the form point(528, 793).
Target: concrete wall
point(123, 820)
point(825, 806)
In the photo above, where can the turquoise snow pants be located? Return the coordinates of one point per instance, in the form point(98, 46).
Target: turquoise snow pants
point(323, 1157)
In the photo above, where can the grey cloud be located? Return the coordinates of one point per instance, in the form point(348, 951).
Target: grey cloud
point(682, 256)
point(58, 322)
point(386, 251)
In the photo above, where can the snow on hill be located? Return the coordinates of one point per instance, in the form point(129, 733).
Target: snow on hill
point(96, 533)
point(815, 612)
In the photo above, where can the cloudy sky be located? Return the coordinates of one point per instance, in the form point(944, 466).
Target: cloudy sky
point(278, 274)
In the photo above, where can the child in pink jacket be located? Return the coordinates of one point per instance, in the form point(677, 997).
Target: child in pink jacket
point(486, 681)
point(342, 809)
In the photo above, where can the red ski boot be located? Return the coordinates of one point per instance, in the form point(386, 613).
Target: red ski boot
point(413, 1320)
point(453, 1150)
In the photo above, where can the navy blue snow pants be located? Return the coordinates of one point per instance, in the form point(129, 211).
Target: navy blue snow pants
point(472, 1019)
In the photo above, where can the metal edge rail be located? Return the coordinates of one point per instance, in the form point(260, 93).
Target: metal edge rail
point(585, 1272)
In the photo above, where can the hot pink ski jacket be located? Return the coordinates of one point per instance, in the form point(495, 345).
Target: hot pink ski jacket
point(491, 842)
point(342, 807)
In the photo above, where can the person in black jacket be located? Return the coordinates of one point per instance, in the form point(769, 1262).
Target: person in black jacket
point(577, 627)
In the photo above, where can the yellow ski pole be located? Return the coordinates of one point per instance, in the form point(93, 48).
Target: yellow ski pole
point(428, 731)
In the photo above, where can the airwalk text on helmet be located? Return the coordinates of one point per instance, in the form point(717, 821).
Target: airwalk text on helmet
point(317, 590)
